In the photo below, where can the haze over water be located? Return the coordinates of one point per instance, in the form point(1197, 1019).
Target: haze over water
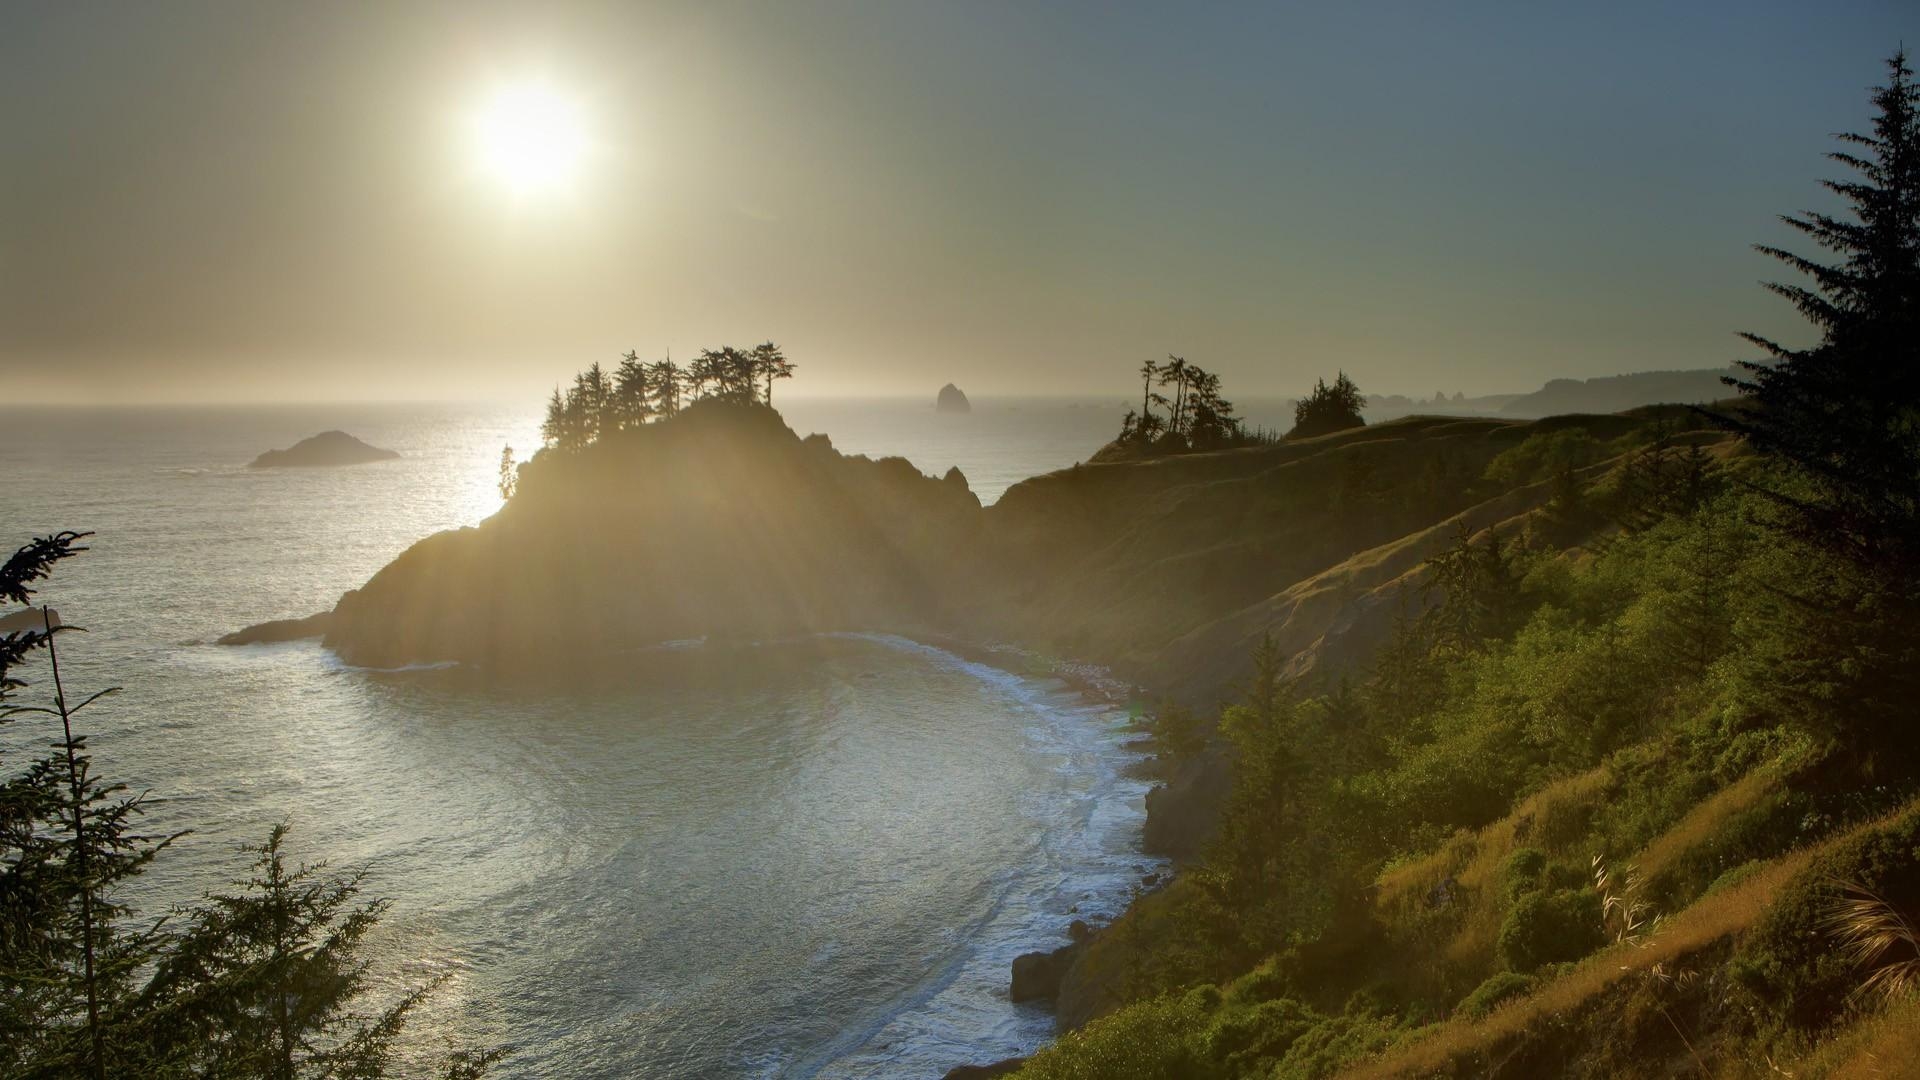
point(805, 858)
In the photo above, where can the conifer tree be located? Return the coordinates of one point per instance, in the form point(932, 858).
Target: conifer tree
point(270, 980)
point(772, 364)
point(509, 474)
point(1328, 409)
point(1174, 373)
point(1845, 413)
point(261, 985)
point(703, 371)
point(68, 843)
point(553, 429)
point(665, 383)
point(1148, 372)
point(632, 396)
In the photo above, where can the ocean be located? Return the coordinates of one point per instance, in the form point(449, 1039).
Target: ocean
point(802, 859)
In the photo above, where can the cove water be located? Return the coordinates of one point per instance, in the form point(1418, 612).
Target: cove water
point(809, 858)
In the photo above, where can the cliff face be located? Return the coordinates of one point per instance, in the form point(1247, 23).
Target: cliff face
point(721, 523)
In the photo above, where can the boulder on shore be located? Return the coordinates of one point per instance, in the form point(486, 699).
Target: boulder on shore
point(952, 400)
point(983, 1072)
point(1037, 975)
point(326, 448)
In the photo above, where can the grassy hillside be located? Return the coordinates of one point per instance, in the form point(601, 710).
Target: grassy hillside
point(1171, 569)
point(1571, 779)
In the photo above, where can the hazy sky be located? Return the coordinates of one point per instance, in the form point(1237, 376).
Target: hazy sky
point(255, 201)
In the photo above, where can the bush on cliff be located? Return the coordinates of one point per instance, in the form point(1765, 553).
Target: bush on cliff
point(1551, 927)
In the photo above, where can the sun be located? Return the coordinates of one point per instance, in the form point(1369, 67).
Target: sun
point(529, 137)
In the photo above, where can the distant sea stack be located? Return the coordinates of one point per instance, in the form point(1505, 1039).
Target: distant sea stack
point(326, 448)
point(952, 400)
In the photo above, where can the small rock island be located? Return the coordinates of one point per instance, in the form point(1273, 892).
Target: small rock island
point(952, 400)
point(326, 448)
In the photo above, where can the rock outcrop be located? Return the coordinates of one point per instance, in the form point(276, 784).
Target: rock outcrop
point(326, 448)
point(1037, 975)
point(951, 400)
point(1005, 1067)
point(312, 626)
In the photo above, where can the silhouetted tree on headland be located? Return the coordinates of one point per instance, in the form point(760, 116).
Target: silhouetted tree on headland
point(1328, 409)
point(632, 397)
point(772, 364)
point(1197, 417)
point(640, 393)
point(665, 382)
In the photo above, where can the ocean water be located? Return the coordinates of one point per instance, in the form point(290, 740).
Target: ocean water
point(807, 858)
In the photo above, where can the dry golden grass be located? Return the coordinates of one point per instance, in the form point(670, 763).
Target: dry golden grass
point(1882, 1046)
point(1551, 818)
point(1715, 916)
point(1723, 913)
point(1473, 858)
point(1877, 938)
point(1704, 821)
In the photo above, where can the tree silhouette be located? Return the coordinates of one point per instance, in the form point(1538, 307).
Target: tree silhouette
point(553, 429)
point(1197, 416)
point(1845, 413)
point(1328, 409)
point(1148, 372)
point(597, 404)
point(632, 400)
point(68, 844)
point(665, 382)
point(703, 371)
point(1174, 373)
point(772, 364)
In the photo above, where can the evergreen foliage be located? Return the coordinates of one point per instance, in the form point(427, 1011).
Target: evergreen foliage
point(1844, 413)
point(1328, 409)
point(598, 404)
point(260, 984)
point(1196, 416)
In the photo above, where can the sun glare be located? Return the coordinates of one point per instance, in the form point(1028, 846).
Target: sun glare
point(530, 138)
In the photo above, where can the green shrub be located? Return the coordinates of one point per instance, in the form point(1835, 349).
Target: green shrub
point(1735, 876)
point(1335, 1043)
point(1267, 982)
point(1149, 1040)
point(1246, 1042)
point(1500, 986)
point(1789, 973)
point(1521, 873)
point(1543, 455)
point(1549, 927)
